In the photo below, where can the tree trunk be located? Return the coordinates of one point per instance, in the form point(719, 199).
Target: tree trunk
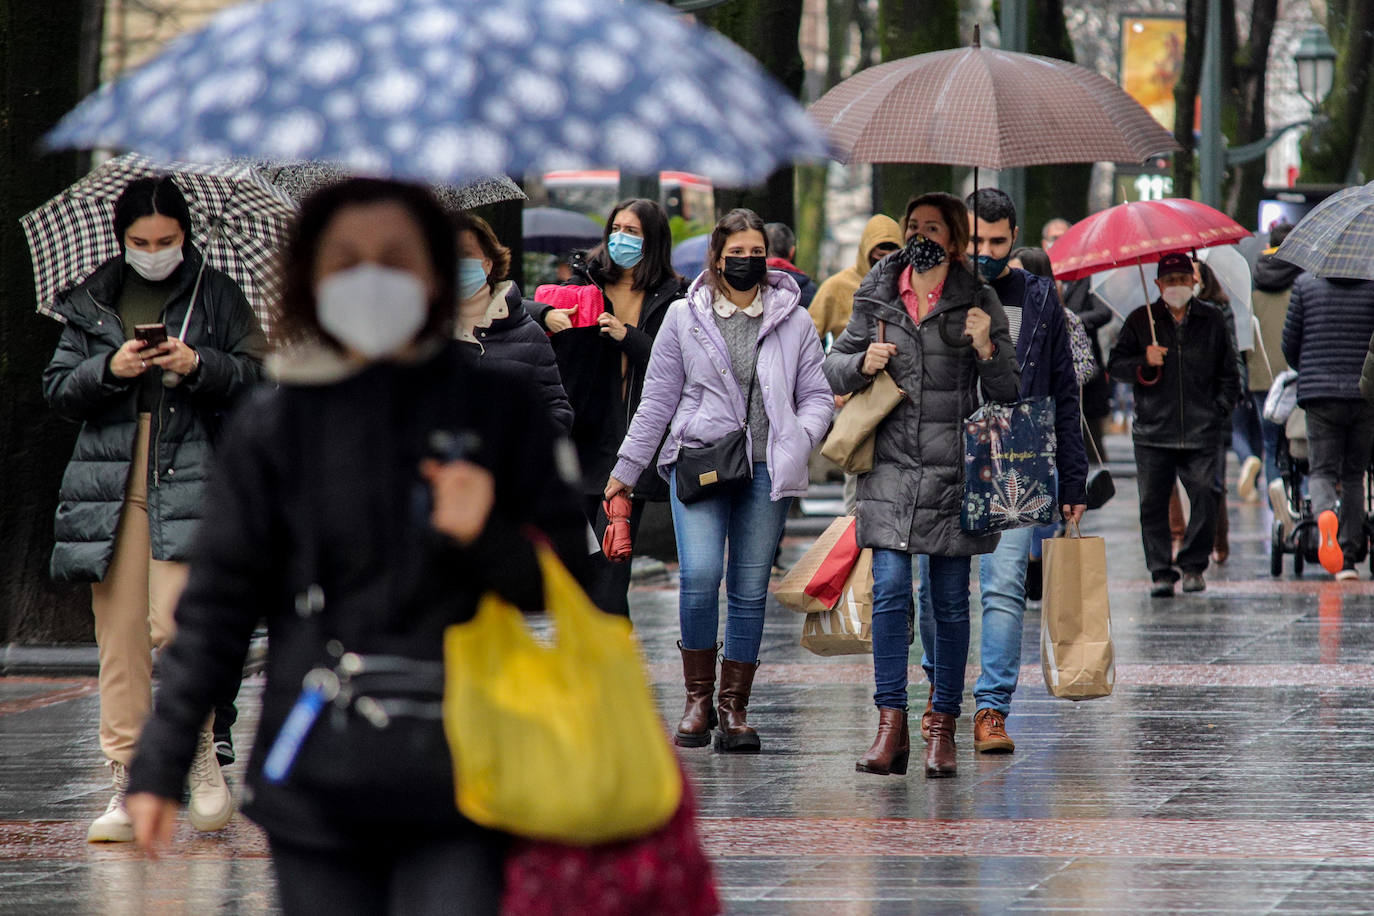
point(1185, 96)
point(905, 28)
point(1330, 148)
point(45, 63)
point(769, 30)
point(1251, 63)
point(1056, 191)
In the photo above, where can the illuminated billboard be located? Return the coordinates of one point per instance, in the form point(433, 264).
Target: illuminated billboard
point(1151, 58)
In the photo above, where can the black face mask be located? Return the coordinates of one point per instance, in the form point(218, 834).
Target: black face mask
point(924, 254)
point(745, 273)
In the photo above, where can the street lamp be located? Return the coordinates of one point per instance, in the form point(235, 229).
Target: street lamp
point(1316, 61)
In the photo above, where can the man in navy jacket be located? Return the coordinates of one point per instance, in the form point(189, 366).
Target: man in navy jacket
point(1041, 336)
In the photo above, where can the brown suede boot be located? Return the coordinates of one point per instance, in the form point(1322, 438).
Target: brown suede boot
point(940, 755)
point(733, 733)
point(699, 716)
point(891, 750)
point(1221, 543)
point(990, 733)
point(925, 716)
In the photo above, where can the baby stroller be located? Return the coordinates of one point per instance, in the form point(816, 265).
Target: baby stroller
point(1295, 527)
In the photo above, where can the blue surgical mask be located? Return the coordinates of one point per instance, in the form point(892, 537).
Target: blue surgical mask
point(625, 249)
point(991, 268)
point(471, 277)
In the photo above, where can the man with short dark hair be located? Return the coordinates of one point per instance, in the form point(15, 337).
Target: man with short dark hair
point(1039, 331)
point(782, 247)
point(1186, 381)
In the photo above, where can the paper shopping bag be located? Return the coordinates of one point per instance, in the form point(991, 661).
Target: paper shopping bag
point(815, 583)
point(1075, 620)
point(848, 629)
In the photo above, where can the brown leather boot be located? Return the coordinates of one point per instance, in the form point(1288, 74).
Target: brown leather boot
point(1221, 543)
point(699, 716)
point(940, 755)
point(990, 733)
point(891, 750)
point(733, 733)
point(925, 716)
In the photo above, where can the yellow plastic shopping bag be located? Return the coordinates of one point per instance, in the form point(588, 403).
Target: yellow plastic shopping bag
point(557, 742)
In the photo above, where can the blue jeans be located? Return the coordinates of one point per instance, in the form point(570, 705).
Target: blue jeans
point(1002, 579)
point(947, 597)
point(752, 523)
point(1269, 435)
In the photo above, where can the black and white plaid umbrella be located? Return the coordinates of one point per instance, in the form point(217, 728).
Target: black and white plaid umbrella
point(300, 179)
point(239, 221)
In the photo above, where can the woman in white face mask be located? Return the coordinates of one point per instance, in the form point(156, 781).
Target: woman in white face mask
point(132, 494)
point(362, 506)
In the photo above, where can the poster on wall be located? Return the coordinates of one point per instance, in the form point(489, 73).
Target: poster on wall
point(1151, 58)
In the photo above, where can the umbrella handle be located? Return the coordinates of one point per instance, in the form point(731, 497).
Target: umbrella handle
point(959, 341)
point(1148, 382)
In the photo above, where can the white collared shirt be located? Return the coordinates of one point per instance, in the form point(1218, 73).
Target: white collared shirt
point(725, 308)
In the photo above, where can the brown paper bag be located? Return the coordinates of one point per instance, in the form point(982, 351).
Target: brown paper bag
point(817, 580)
point(848, 629)
point(852, 439)
point(1075, 620)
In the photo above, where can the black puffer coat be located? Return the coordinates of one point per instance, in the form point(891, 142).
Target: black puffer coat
point(911, 499)
point(1196, 388)
point(514, 342)
point(1326, 334)
point(589, 363)
point(79, 386)
point(318, 483)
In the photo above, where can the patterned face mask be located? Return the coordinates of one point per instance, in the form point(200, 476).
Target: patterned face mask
point(924, 254)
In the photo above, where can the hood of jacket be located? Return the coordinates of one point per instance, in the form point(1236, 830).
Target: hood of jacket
point(1273, 274)
point(505, 310)
point(879, 229)
point(781, 296)
point(107, 281)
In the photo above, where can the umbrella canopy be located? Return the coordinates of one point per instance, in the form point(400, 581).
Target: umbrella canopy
point(239, 221)
point(988, 108)
point(300, 179)
point(1120, 287)
point(1139, 233)
point(1336, 239)
point(557, 231)
point(689, 256)
point(448, 90)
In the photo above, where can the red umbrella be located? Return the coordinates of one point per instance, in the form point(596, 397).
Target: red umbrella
point(1138, 233)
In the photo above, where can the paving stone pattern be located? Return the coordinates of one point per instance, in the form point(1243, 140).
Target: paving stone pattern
point(1231, 772)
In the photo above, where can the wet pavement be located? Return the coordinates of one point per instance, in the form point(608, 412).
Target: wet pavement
point(1231, 771)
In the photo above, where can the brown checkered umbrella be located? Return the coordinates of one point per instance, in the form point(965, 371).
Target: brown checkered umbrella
point(986, 108)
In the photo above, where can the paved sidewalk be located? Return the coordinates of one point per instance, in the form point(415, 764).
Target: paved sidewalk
point(1231, 771)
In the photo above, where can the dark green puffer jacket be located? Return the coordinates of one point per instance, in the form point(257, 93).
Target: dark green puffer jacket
point(79, 386)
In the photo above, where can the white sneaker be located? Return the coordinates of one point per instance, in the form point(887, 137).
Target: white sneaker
point(115, 825)
point(1278, 501)
point(1345, 575)
point(211, 804)
point(1249, 472)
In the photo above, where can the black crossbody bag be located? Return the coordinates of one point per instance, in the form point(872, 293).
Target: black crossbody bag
point(720, 467)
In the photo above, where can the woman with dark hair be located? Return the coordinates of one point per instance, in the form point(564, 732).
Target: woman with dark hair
point(738, 353)
point(361, 507)
point(493, 321)
point(923, 316)
point(132, 494)
point(603, 367)
point(1033, 260)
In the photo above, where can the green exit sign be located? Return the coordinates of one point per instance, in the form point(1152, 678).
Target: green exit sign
point(1143, 186)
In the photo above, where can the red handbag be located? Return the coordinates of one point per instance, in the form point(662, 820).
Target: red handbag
point(665, 873)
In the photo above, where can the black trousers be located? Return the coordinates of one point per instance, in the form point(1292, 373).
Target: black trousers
point(1156, 470)
point(393, 876)
point(1340, 437)
point(611, 587)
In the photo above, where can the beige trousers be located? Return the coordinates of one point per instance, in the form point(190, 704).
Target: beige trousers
point(133, 613)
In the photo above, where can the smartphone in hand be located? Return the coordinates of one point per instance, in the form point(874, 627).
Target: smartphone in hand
point(150, 334)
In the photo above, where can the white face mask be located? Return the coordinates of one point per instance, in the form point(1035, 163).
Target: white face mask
point(154, 265)
point(1176, 297)
point(370, 309)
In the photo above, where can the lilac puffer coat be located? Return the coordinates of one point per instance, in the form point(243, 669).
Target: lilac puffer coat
point(691, 392)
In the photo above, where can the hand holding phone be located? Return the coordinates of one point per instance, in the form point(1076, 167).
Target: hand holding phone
point(150, 334)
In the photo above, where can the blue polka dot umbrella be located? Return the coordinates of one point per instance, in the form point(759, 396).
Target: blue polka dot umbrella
point(450, 90)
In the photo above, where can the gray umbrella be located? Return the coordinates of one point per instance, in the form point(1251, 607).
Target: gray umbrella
point(300, 179)
point(1336, 239)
